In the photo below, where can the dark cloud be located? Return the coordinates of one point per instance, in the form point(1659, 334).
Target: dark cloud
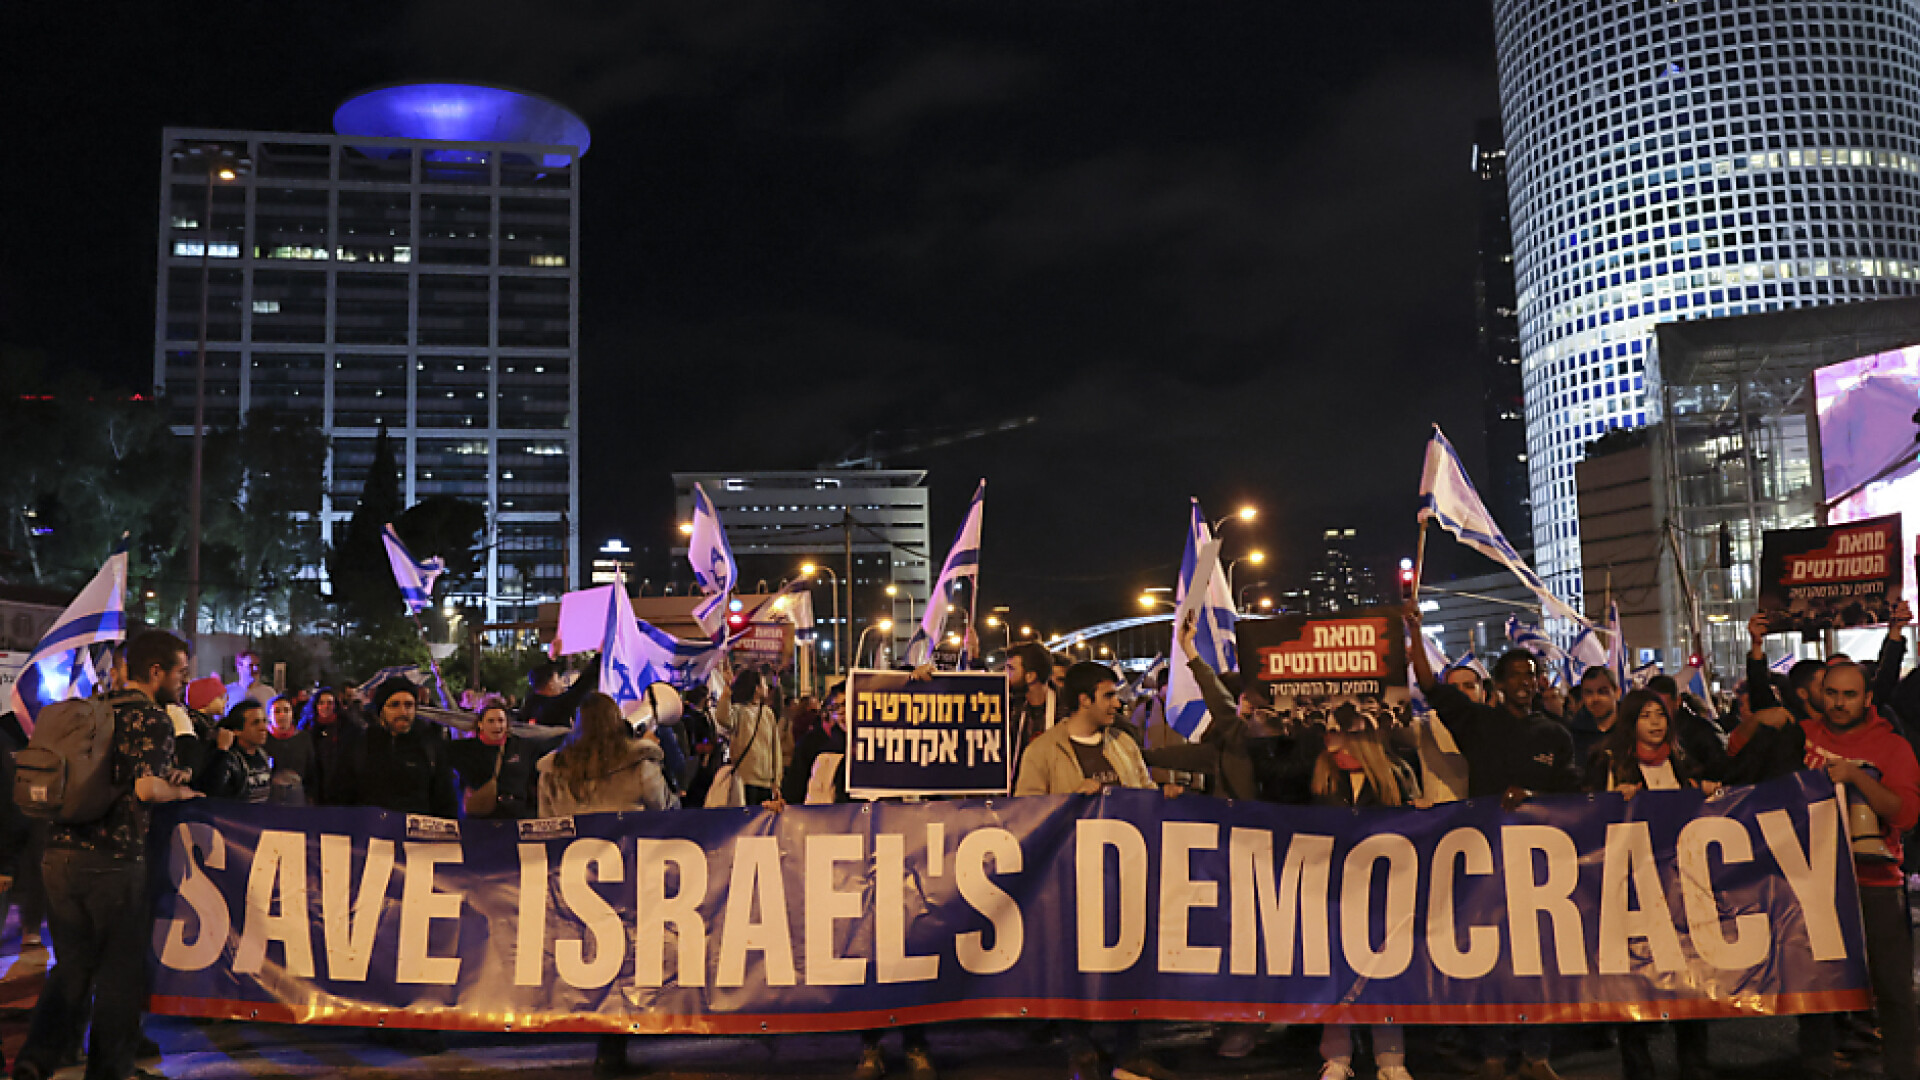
point(941, 80)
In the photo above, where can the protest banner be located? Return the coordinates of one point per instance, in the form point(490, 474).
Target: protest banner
point(1336, 666)
point(946, 735)
point(1123, 905)
point(1830, 576)
point(768, 645)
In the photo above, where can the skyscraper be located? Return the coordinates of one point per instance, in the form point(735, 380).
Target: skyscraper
point(1686, 159)
point(417, 270)
point(1497, 326)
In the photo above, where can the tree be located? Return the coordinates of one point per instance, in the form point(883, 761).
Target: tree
point(455, 530)
point(363, 586)
point(261, 511)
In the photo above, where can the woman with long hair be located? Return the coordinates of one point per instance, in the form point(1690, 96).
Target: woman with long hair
point(1642, 751)
point(1355, 768)
point(334, 732)
point(603, 766)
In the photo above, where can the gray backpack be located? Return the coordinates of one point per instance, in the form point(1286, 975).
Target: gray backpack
point(65, 773)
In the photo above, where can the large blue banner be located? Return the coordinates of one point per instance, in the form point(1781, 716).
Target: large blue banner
point(1119, 906)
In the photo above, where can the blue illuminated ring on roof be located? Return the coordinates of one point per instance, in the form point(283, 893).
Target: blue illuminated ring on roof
point(463, 112)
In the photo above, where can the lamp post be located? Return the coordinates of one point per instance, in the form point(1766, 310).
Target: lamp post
point(1002, 618)
point(1245, 513)
point(222, 164)
point(882, 625)
point(809, 570)
point(1254, 557)
point(1150, 601)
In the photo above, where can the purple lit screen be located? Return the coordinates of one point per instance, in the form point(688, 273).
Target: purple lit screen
point(1865, 408)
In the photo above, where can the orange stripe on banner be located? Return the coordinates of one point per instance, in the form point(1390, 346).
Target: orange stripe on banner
point(1017, 1008)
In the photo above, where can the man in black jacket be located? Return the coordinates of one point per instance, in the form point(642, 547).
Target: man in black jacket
point(551, 705)
point(399, 764)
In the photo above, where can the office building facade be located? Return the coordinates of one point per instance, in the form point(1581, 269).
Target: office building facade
point(404, 273)
point(1504, 486)
point(779, 521)
point(1690, 159)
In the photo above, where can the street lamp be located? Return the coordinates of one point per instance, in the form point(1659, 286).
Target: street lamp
point(1152, 600)
point(1254, 557)
point(222, 164)
point(1245, 513)
point(1025, 632)
point(1239, 598)
point(882, 625)
point(809, 570)
point(994, 620)
point(894, 592)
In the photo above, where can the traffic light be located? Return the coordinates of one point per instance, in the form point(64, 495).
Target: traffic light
point(1406, 578)
point(1695, 660)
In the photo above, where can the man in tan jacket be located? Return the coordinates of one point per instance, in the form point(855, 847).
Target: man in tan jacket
point(1080, 756)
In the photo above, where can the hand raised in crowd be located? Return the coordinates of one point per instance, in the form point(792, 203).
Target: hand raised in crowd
point(1189, 630)
point(1757, 633)
point(223, 738)
point(1902, 615)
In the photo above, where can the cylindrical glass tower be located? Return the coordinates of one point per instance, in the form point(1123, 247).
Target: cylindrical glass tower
point(1690, 159)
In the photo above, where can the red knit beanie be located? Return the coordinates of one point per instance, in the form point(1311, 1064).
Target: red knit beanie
point(202, 693)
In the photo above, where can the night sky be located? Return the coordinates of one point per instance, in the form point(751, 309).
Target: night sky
point(1221, 249)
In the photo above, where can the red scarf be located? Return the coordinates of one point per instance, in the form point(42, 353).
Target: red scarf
point(1346, 762)
point(289, 733)
point(1655, 756)
point(501, 741)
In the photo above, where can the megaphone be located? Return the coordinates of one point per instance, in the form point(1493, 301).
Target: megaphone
point(660, 705)
point(1863, 828)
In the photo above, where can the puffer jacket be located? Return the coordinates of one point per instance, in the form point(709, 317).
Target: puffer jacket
point(636, 784)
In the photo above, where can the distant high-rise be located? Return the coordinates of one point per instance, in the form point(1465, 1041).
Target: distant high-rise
point(1341, 581)
point(1497, 322)
point(417, 270)
point(1683, 160)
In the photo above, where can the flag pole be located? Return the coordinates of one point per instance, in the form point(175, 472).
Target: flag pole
point(1419, 559)
point(439, 685)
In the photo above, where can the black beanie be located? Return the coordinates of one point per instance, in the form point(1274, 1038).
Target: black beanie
point(395, 685)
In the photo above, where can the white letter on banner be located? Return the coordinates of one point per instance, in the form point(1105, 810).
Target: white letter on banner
point(1752, 936)
point(601, 921)
point(756, 877)
point(978, 889)
point(1356, 905)
point(1811, 872)
point(1180, 894)
point(530, 939)
point(279, 873)
point(827, 905)
point(200, 894)
point(419, 906)
point(655, 911)
point(893, 964)
point(1527, 899)
point(1629, 862)
point(1299, 904)
point(1092, 838)
point(350, 922)
point(1443, 941)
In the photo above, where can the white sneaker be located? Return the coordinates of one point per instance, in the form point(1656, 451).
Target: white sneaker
point(1334, 1070)
point(1393, 1072)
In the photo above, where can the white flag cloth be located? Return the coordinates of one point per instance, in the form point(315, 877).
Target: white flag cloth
point(98, 614)
point(1186, 711)
point(1535, 640)
point(963, 564)
point(414, 577)
point(711, 558)
point(1447, 496)
point(626, 662)
point(1587, 651)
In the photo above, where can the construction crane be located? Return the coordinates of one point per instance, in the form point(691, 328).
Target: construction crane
point(870, 452)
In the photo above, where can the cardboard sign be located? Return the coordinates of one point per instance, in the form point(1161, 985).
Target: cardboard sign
point(1334, 667)
point(941, 736)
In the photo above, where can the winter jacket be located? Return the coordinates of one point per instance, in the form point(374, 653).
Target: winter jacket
point(408, 773)
point(754, 734)
point(635, 784)
point(474, 761)
point(1534, 752)
point(1050, 767)
point(1606, 771)
point(1874, 742)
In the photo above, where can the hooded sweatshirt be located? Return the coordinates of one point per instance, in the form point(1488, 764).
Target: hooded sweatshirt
point(1874, 742)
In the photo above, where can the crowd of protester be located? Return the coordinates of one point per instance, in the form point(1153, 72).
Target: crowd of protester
point(1078, 728)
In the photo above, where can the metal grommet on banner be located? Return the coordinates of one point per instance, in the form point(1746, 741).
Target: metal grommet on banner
point(254, 1015)
point(763, 1025)
point(1261, 1015)
point(1023, 1010)
point(1663, 1016)
point(867, 808)
point(1523, 1018)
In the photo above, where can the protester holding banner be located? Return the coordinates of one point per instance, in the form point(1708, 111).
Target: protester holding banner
point(1511, 751)
point(292, 752)
point(96, 878)
point(1080, 755)
point(1594, 720)
point(1700, 735)
point(496, 766)
point(1859, 748)
point(753, 735)
point(1355, 769)
point(399, 763)
point(334, 733)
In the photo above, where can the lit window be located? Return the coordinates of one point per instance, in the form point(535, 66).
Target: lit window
point(266, 307)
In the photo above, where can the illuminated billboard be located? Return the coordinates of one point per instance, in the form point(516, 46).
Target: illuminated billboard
point(1865, 411)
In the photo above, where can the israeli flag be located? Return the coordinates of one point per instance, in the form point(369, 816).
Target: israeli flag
point(1693, 680)
point(98, 614)
point(711, 558)
point(1186, 712)
point(963, 564)
point(1473, 663)
point(1587, 651)
point(1535, 640)
point(409, 672)
point(1783, 665)
point(627, 665)
point(414, 577)
point(1642, 675)
point(1447, 496)
point(1616, 646)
